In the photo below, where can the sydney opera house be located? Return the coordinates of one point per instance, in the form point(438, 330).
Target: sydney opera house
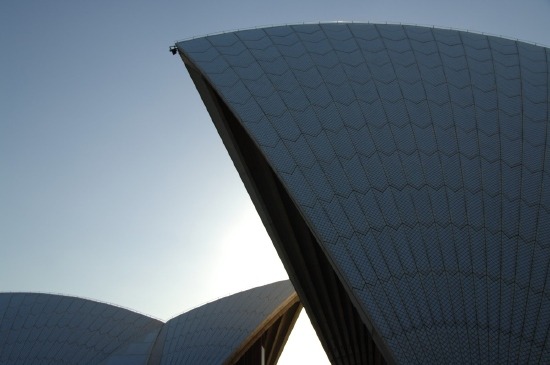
point(403, 174)
point(250, 327)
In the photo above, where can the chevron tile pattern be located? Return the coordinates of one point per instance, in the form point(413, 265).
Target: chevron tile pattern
point(419, 157)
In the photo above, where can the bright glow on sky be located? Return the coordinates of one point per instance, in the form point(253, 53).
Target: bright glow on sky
point(114, 184)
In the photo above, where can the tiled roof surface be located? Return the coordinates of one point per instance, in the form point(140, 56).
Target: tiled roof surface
point(420, 159)
point(211, 333)
point(54, 329)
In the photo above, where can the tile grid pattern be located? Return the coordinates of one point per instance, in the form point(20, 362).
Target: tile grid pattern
point(53, 329)
point(419, 157)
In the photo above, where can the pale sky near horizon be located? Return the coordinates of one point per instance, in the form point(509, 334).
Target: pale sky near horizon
point(114, 184)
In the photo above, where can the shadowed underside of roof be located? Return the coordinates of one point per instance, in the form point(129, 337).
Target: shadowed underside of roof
point(403, 175)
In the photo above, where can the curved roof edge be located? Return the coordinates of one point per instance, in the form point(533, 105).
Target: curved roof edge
point(87, 299)
point(435, 26)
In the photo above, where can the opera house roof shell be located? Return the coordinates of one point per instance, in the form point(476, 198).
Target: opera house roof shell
point(403, 174)
point(55, 329)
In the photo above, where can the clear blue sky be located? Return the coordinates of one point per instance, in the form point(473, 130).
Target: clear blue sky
point(114, 184)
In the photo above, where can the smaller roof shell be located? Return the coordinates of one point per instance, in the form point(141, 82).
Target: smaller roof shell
point(55, 329)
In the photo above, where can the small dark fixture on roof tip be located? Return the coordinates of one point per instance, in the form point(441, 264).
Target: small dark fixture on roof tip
point(173, 49)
